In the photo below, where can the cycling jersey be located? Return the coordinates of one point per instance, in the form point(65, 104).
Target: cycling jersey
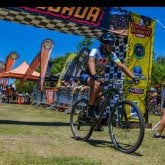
point(101, 60)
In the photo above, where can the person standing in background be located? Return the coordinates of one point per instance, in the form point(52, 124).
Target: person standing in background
point(162, 120)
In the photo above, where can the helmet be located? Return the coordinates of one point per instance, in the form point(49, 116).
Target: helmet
point(107, 38)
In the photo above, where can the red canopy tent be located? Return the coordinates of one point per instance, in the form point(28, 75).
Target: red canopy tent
point(19, 72)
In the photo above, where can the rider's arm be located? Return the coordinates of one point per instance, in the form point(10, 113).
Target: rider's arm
point(91, 61)
point(125, 70)
point(122, 66)
point(91, 65)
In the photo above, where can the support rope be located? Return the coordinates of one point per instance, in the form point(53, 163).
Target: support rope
point(161, 23)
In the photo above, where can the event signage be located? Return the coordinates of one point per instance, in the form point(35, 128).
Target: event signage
point(102, 18)
point(140, 52)
point(87, 15)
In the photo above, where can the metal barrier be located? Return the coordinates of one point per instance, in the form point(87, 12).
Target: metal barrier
point(66, 97)
point(38, 98)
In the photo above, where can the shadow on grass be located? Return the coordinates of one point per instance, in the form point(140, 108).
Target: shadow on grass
point(103, 143)
point(162, 137)
point(100, 143)
point(34, 123)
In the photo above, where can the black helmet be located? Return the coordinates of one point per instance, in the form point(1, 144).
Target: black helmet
point(107, 38)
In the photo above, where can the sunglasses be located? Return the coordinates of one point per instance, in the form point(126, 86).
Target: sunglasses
point(110, 42)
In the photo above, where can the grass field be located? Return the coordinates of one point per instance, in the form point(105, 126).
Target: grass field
point(37, 136)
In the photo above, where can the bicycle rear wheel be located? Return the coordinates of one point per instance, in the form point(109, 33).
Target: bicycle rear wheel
point(81, 126)
point(126, 130)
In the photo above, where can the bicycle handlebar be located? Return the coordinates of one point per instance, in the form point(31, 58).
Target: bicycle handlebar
point(118, 81)
point(112, 81)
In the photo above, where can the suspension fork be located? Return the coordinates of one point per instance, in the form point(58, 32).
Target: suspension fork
point(121, 115)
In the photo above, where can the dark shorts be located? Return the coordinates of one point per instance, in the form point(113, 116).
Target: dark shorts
point(84, 77)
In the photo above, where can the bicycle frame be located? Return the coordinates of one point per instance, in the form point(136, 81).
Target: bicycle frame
point(125, 131)
point(108, 95)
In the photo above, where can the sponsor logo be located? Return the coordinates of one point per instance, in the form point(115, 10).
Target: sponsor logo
point(137, 70)
point(13, 55)
point(139, 51)
point(48, 45)
point(136, 90)
point(140, 31)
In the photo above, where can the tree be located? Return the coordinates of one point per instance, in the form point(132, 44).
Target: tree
point(160, 60)
point(86, 42)
point(158, 72)
point(58, 64)
point(26, 87)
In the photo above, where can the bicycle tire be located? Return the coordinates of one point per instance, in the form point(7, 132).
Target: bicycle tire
point(126, 131)
point(81, 126)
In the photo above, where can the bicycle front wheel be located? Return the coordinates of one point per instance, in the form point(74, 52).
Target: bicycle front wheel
point(81, 126)
point(126, 129)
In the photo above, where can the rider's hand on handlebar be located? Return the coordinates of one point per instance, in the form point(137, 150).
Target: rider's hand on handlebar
point(136, 80)
point(99, 78)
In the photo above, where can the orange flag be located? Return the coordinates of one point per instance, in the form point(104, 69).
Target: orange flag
point(33, 66)
point(2, 69)
point(46, 49)
point(10, 60)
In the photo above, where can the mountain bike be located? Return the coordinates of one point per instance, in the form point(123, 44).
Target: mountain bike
point(126, 131)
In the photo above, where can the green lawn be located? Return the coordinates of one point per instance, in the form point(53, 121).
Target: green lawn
point(38, 136)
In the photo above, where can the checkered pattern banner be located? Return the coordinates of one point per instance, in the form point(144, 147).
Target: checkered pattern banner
point(62, 25)
point(113, 72)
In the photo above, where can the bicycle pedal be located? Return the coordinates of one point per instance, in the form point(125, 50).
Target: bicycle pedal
point(99, 129)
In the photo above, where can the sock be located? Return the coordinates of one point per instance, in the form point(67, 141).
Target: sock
point(90, 107)
point(96, 107)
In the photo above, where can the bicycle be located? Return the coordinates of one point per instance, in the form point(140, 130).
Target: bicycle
point(126, 132)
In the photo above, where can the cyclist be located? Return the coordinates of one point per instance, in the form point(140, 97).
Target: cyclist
point(93, 75)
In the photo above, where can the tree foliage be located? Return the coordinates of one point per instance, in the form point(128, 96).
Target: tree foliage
point(58, 64)
point(158, 71)
point(26, 87)
point(86, 42)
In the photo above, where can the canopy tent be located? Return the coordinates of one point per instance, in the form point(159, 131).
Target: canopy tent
point(19, 72)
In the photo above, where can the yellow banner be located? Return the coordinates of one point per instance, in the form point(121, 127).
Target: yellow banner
point(66, 68)
point(139, 58)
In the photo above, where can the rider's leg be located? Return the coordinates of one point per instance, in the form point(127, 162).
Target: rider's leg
point(161, 126)
point(162, 123)
point(95, 89)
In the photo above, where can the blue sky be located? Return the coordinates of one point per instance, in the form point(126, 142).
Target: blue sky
point(26, 40)
point(156, 13)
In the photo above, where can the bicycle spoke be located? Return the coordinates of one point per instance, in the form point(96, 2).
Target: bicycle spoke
point(126, 130)
point(80, 124)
